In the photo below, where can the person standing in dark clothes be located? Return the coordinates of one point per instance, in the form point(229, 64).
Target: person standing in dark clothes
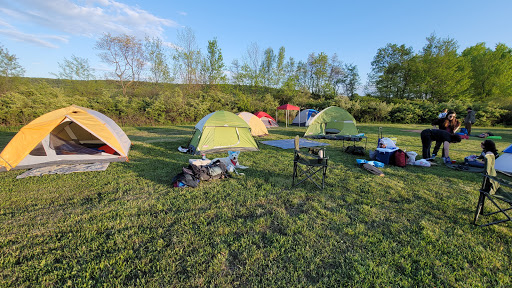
point(469, 120)
point(441, 137)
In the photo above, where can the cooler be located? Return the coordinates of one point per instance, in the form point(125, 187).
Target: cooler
point(384, 154)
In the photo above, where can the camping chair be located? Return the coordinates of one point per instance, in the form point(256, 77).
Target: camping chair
point(309, 165)
point(493, 189)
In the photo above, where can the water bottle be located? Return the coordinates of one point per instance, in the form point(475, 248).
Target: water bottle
point(203, 157)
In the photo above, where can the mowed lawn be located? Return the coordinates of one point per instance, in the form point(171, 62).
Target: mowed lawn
point(127, 226)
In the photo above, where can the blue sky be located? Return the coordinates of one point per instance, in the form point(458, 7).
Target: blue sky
point(43, 33)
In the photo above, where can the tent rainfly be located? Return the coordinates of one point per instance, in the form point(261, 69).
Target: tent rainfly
point(68, 135)
point(287, 107)
point(267, 119)
point(331, 120)
point(257, 126)
point(222, 131)
point(504, 162)
point(303, 116)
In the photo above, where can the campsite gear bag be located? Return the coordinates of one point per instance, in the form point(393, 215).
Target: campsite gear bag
point(184, 179)
point(399, 158)
point(355, 150)
point(212, 171)
point(372, 169)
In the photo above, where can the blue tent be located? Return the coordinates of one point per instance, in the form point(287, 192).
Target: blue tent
point(304, 115)
point(504, 162)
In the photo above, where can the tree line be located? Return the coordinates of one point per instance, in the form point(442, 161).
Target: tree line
point(436, 73)
point(439, 73)
point(133, 60)
point(152, 83)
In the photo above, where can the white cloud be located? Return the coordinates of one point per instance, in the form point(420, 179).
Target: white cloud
point(170, 45)
point(5, 24)
point(183, 13)
point(40, 40)
point(89, 18)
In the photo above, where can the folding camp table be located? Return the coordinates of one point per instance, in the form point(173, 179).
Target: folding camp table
point(355, 139)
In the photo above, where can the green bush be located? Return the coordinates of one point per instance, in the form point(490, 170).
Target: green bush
point(162, 104)
point(406, 113)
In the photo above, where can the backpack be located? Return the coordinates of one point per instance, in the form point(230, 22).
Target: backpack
point(399, 158)
point(212, 171)
point(185, 179)
point(355, 150)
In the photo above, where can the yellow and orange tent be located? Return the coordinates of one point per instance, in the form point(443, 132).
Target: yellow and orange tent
point(66, 136)
point(257, 126)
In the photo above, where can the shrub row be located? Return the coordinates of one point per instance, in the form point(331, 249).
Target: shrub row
point(150, 104)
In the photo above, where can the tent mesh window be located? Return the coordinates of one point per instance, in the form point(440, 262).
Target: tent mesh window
point(63, 147)
point(38, 150)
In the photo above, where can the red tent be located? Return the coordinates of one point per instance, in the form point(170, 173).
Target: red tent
point(287, 107)
point(263, 114)
point(267, 119)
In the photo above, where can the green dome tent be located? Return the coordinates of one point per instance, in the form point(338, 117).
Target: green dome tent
point(222, 131)
point(331, 120)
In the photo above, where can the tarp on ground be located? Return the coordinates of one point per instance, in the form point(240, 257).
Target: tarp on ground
point(290, 143)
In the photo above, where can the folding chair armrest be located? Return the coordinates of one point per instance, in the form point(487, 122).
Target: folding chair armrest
point(502, 181)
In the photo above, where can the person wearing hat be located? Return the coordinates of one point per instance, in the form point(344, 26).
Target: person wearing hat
point(441, 137)
point(469, 120)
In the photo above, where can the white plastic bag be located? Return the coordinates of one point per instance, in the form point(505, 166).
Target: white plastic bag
point(387, 143)
point(411, 157)
point(422, 162)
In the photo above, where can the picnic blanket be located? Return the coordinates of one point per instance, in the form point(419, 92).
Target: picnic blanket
point(64, 169)
point(290, 144)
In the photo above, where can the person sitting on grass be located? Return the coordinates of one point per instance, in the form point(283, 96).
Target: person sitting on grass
point(488, 147)
point(441, 137)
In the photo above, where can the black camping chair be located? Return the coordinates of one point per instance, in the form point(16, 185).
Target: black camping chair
point(309, 165)
point(497, 190)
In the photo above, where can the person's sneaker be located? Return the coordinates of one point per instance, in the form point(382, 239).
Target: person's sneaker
point(447, 160)
point(433, 156)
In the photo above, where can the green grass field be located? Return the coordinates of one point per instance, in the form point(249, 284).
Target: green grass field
point(127, 226)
